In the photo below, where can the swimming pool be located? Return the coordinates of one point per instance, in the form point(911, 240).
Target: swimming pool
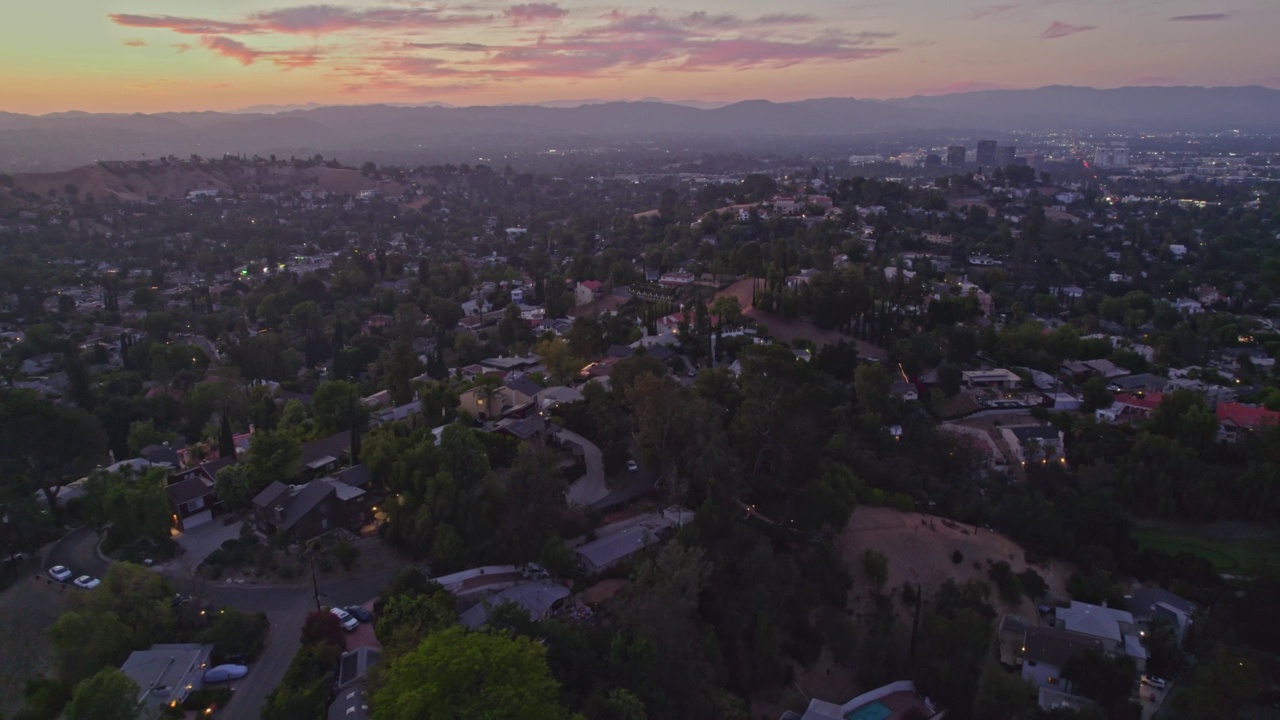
point(871, 711)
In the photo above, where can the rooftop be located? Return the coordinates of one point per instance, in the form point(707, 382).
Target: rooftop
point(536, 598)
point(1054, 646)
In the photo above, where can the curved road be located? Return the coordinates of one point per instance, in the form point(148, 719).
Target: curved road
point(286, 607)
point(591, 487)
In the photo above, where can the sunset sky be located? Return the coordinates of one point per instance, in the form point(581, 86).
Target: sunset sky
point(158, 55)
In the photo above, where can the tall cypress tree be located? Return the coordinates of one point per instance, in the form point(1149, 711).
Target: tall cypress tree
point(226, 441)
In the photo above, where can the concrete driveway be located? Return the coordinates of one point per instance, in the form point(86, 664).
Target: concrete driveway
point(198, 543)
point(591, 487)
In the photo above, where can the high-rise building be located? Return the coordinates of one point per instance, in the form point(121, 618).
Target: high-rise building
point(1005, 155)
point(986, 154)
point(955, 156)
point(1035, 160)
point(1113, 156)
point(933, 160)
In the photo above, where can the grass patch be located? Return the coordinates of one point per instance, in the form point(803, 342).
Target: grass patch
point(1228, 557)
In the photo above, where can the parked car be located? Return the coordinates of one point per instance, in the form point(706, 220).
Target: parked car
point(359, 613)
point(345, 619)
point(632, 466)
point(61, 573)
point(223, 673)
point(534, 571)
point(88, 582)
point(1153, 681)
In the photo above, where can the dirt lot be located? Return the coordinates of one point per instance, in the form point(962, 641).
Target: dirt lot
point(790, 329)
point(27, 609)
point(917, 553)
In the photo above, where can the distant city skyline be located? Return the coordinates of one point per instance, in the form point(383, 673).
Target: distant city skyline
point(158, 55)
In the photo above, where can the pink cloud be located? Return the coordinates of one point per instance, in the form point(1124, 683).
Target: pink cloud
point(181, 47)
point(185, 26)
point(233, 49)
point(535, 12)
point(135, 43)
point(1203, 17)
point(245, 55)
point(983, 12)
point(1060, 29)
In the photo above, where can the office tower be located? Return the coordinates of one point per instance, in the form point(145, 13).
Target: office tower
point(932, 160)
point(955, 156)
point(1005, 155)
point(987, 154)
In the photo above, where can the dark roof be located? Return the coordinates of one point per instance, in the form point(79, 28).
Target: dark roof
point(270, 495)
point(1054, 646)
point(307, 499)
point(1035, 432)
point(212, 467)
point(355, 665)
point(524, 386)
point(161, 454)
point(333, 446)
point(659, 352)
point(187, 490)
point(522, 429)
point(287, 395)
point(351, 703)
point(622, 351)
point(1143, 601)
point(356, 475)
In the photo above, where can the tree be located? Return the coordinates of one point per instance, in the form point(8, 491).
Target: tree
point(36, 443)
point(1003, 695)
point(1095, 394)
point(561, 365)
point(872, 384)
point(409, 617)
point(876, 566)
point(455, 673)
point(336, 406)
point(143, 433)
point(108, 695)
point(1106, 680)
point(272, 457)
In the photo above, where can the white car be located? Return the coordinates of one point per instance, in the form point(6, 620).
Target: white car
point(61, 573)
point(346, 619)
point(88, 582)
point(1154, 682)
point(632, 466)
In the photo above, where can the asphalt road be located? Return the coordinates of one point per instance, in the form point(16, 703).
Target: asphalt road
point(591, 487)
point(286, 607)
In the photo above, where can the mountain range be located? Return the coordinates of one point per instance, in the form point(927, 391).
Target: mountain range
point(68, 139)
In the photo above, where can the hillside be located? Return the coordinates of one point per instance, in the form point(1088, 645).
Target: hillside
point(141, 182)
point(62, 140)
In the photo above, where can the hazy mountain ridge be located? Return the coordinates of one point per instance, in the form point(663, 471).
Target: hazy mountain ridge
point(68, 139)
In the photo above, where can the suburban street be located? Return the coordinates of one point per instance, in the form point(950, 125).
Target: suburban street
point(286, 607)
point(591, 487)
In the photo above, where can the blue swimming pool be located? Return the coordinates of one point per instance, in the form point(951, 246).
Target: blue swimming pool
point(872, 711)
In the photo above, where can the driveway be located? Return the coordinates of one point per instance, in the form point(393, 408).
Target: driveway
point(198, 543)
point(591, 487)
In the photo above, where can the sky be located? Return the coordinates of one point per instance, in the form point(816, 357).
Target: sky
point(190, 55)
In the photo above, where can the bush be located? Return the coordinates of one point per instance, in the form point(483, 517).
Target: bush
point(876, 566)
point(1006, 582)
point(236, 635)
point(346, 553)
point(957, 557)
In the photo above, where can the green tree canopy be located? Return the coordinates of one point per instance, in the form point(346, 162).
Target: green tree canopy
point(484, 676)
point(108, 695)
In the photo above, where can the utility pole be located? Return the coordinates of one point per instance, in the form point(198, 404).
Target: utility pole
point(315, 586)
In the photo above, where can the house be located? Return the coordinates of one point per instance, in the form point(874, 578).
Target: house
point(396, 414)
point(1115, 628)
point(895, 701)
point(540, 600)
point(305, 511)
point(351, 699)
point(905, 390)
point(1236, 419)
point(1187, 306)
point(1140, 383)
point(1035, 442)
point(320, 457)
point(1045, 650)
point(485, 402)
point(587, 292)
point(191, 502)
point(559, 395)
point(995, 378)
point(676, 279)
point(603, 553)
point(161, 455)
point(167, 674)
point(1125, 407)
point(1151, 605)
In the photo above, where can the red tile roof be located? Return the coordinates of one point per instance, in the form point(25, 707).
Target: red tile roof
point(1146, 402)
point(1247, 416)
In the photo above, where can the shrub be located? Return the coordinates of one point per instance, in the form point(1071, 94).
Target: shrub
point(876, 566)
point(957, 557)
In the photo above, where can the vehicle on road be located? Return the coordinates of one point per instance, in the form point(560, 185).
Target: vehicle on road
point(534, 571)
point(223, 673)
point(359, 613)
point(345, 619)
point(88, 582)
point(61, 573)
point(632, 466)
point(693, 372)
point(1154, 682)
